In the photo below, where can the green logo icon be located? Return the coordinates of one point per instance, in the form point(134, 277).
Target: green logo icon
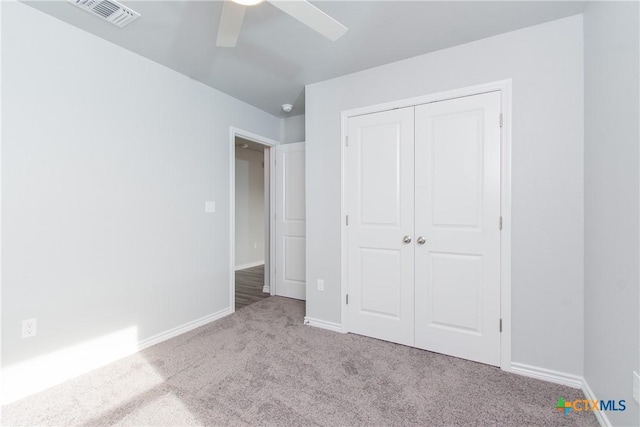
point(563, 406)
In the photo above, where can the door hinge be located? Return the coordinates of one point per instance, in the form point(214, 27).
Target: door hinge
point(500, 223)
point(500, 325)
point(347, 299)
point(500, 119)
point(347, 220)
point(346, 141)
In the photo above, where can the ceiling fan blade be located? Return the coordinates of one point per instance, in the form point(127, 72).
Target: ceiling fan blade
point(312, 17)
point(230, 23)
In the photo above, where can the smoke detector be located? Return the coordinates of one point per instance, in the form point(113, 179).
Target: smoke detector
point(287, 108)
point(109, 10)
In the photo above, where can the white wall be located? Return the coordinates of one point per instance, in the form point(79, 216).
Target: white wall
point(107, 160)
point(546, 65)
point(250, 221)
point(293, 129)
point(612, 205)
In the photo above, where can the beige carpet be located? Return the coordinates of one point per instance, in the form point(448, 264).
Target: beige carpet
point(261, 366)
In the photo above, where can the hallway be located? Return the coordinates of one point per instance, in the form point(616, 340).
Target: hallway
point(249, 283)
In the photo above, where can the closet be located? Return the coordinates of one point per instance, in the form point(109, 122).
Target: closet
point(422, 192)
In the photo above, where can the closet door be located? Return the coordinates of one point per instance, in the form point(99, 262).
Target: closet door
point(380, 230)
point(457, 197)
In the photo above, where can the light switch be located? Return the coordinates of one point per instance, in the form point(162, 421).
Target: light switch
point(210, 207)
point(320, 285)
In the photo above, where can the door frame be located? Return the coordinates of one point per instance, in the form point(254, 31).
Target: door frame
point(269, 145)
point(504, 87)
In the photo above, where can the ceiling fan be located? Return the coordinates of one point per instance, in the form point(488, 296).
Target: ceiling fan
point(233, 14)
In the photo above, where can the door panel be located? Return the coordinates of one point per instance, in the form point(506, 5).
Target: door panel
point(294, 258)
point(457, 198)
point(456, 164)
point(294, 200)
point(380, 210)
point(381, 271)
point(455, 296)
point(380, 148)
point(290, 221)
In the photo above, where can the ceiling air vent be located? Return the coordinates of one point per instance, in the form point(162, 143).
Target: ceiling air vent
point(108, 10)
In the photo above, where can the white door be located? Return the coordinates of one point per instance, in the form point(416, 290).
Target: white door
point(290, 221)
point(423, 234)
point(457, 198)
point(380, 213)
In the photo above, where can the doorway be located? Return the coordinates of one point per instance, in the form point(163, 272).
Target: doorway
point(267, 260)
point(251, 218)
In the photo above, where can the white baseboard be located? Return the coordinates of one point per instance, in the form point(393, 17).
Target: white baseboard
point(249, 265)
point(184, 328)
point(266, 289)
point(571, 380)
point(322, 324)
point(42, 372)
point(600, 415)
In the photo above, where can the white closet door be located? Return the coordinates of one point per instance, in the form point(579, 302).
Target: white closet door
point(457, 283)
point(290, 221)
point(380, 211)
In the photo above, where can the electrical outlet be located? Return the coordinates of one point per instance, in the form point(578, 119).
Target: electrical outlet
point(636, 387)
point(210, 207)
point(320, 285)
point(29, 328)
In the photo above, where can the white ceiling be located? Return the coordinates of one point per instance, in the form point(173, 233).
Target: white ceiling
point(276, 55)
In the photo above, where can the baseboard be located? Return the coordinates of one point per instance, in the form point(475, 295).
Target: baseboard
point(249, 265)
point(184, 328)
point(571, 380)
point(42, 372)
point(601, 416)
point(266, 289)
point(322, 324)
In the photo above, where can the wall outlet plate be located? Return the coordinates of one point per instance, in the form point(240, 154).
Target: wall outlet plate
point(636, 387)
point(29, 328)
point(210, 207)
point(320, 285)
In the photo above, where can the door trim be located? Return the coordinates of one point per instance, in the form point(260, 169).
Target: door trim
point(504, 87)
point(269, 144)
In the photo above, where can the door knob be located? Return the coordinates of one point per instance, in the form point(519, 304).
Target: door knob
point(421, 240)
point(406, 239)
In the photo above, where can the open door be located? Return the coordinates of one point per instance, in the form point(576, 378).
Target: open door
point(290, 222)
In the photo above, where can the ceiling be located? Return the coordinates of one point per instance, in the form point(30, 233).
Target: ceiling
point(276, 55)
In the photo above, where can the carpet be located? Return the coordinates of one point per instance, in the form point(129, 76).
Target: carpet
point(261, 366)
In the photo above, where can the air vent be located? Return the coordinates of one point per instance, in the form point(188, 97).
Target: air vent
point(108, 10)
